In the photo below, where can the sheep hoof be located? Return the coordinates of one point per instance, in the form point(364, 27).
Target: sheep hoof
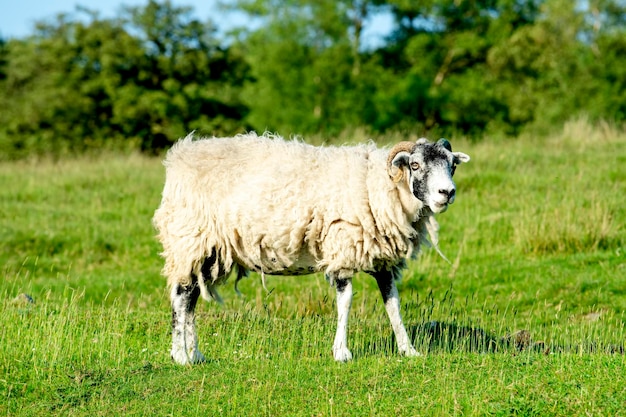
point(187, 358)
point(342, 354)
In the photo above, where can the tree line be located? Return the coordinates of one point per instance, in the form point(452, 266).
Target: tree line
point(154, 73)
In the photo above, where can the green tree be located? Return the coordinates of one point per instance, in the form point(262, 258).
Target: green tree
point(440, 48)
point(565, 64)
point(54, 92)
point(155, 72)
point(309, 73)
point(139, 81)
point(3, 58)
point(186, 81)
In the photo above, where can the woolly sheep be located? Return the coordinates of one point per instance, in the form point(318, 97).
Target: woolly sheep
point(264, 204)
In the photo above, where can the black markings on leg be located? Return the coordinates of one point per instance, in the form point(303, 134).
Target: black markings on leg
point(193, 293)
point(342, 284)
point(341, 352)
point(185, 301)
point(184, 338)
point(385, 283)
point(389, 292)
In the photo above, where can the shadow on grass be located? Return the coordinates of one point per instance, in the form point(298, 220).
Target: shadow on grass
point(436, 336)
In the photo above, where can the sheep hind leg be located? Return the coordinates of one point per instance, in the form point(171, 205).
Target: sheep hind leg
point(341, 352)
point(391, 299)
point(184, 337)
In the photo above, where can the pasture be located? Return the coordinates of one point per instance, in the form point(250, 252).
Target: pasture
point(529, 319)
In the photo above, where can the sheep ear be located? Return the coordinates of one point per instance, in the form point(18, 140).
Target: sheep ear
point(460, 157)
point(401, 159)
point(445, 143)
point(399, 156)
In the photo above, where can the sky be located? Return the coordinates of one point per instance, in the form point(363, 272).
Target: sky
point(18, 17)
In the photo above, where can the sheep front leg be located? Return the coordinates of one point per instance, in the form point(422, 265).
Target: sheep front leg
point(344, 302)
point(184, 338)
point(389, 292)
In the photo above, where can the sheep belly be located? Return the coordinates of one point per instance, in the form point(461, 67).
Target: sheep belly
point(341, 252)
point(282, 253)
point(304, 265)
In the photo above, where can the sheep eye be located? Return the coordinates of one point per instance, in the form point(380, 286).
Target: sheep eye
point(415, 166)
point(452, 170)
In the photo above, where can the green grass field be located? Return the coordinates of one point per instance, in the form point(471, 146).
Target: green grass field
point(537, 243)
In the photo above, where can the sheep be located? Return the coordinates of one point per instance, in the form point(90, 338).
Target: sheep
point(275, 206)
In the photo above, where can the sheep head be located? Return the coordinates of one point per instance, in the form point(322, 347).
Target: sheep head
point(429, 168)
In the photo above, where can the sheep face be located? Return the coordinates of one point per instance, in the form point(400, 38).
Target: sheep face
point(429, 168)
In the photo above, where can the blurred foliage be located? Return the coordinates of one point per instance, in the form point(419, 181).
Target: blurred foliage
point(154, 73)
point(135, 82)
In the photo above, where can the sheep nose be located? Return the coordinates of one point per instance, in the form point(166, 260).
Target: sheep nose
point(448, 193)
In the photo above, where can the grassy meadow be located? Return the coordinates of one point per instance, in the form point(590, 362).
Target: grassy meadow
point(528, 319)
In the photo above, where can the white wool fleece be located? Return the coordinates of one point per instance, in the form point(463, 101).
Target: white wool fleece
point(276, 206)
